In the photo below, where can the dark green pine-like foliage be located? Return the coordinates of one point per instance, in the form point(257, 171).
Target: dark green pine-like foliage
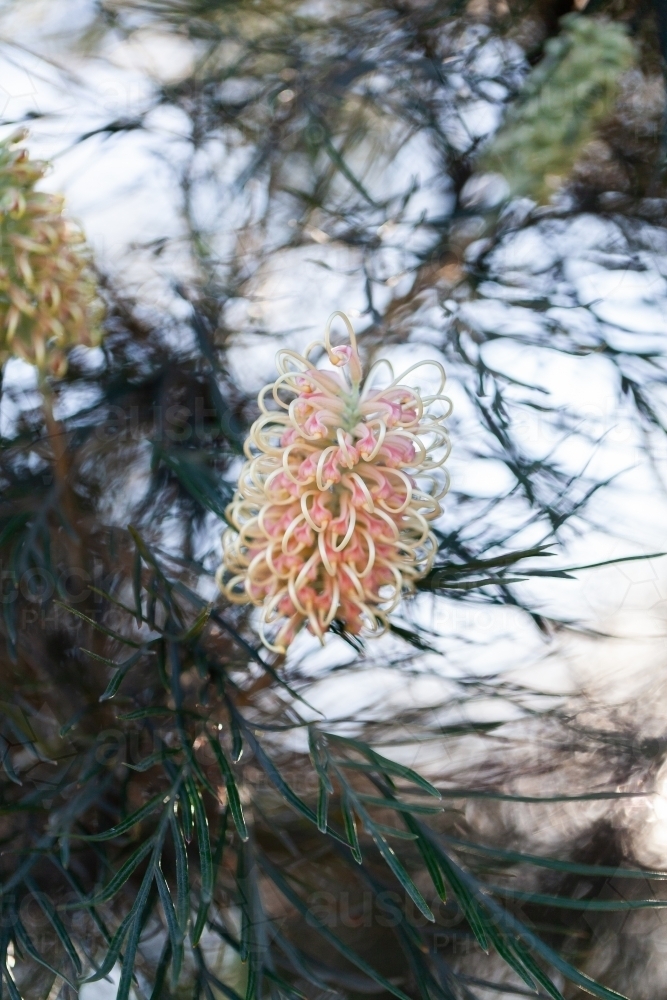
point(172, 811)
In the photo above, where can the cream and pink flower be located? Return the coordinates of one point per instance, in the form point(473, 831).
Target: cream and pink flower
point(48, 290)
point(331, 518)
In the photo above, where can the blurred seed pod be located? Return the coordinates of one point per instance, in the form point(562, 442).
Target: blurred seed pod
point(563, 101)
point(48, 293)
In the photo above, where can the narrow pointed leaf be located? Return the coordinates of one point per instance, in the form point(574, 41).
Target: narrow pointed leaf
point(386, 766)
point(350, 827)
point(121, 876)
point(574, 867)
point(49, 911)
point(118, 678)
point(136, 585)
point(173, 929)
point(29, 948)
point(397, 868)
point(322, 807)
point(281, 883)
point(197, 626)
point(466, 900)
point(507, 953)
point(205, 860)
point(393, 831)
point(567, 903)
point(536, 972)
point(158, 757)
point(232, 791)
point(161, 971)
point(319, 760)
point(182, 878)
point(277, 780)
point(237, 738)
point(127, 970)
point(100, 628)
point(136, 817)
point(399, 805)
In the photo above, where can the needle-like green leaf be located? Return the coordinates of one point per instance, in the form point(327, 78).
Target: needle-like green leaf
point(205, 860)
point(136, 817)
point(232, 791)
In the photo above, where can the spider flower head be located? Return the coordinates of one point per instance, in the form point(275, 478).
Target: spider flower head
point(331, 518)
point(48, 297)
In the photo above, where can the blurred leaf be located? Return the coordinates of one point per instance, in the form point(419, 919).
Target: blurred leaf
point(576, 868)
point(384, 765)
point(136, 817)
point(395, 865)
point(113, 951)
point(565, 903)
point(175, 933)
point(100, 628)
point(49, 910)
point(136, 586)
point(399, 805)
point(7, 763)
point(158, 757)
point(161, 971)
point(199, 481)
point(122, 875)
point(283, 886)
point(182, 877)
point(120, 674)
point(276, 779)
point(134, 932)
point(350, 827)
point(28, 947)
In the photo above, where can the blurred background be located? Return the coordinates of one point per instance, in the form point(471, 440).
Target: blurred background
point(481, 183)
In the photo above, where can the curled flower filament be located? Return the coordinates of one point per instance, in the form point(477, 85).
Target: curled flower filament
point(331, 518)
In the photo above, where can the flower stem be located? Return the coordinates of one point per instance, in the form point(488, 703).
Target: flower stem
point(57, 438)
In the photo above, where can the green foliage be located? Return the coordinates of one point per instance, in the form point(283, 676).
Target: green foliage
point(565, 98)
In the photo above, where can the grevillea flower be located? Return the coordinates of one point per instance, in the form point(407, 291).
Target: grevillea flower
point(48, 297)
point(331, 518)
